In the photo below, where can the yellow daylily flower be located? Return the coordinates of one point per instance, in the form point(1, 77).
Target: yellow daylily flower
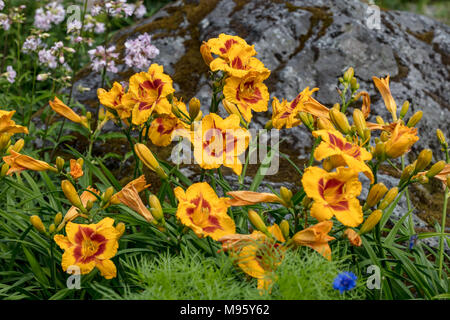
point(90, 246)
point(316, 237)
point(285, 114)
point(9, 126)
point(383, 86)
point(200, 209)
point(129, 196)
point(220, 142)
point(113, 99)
point(73, 212)
point(148, 93)
point(334, 194)
point(222, 45)
point(18, 162)
point(76, 170)
point(59, 107)
point(342, 152)
point(401, 140)
point(247, 93)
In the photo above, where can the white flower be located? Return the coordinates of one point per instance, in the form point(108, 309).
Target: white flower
point(5, 23)
point(10, 74)
point(2, 5)
point(140, 11)
point(102, 58)
point(73, 26)
point(140, 51)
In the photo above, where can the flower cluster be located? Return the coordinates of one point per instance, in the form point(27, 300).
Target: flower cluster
point(104, 58)
point(118, 8)
point(52, 13)
point(140, 51)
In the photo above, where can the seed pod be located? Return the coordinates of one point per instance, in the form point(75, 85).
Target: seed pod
point(371, 221)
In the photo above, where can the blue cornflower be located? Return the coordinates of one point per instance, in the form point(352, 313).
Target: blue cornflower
point(413, 241)
point(345, 281)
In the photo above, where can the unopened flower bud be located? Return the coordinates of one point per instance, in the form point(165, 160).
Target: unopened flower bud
point(59, 163)
point(384, 136)
point(380, 151)
point(206, 53)
point(340, 121)
point(371, 221)
point(306, 202)
point(423, 179)
point(348, 75)
point(305, 120)
point(286, 196)
point(324, 124)
point(424, 159)
point(415, 119)
point(284, 226)
point(230, 107)
point(407, 173)
point(404, 110)
point(71, 194)
point(4, 170)
point(5, 140)
point(108, 194)
point(194, 108)
point(146, 156)
point(101, 114)
point(390, 196)
point(436, 169)
point(18, 145)
point(354, 84)
point(360, 122)
point(379, 120)
point(120, 228)
point(375, 194)
point(441, 137)
point(89, 205)
point(156, 208)
point(58, 218)
point(37, 224)
point(268, 125)
point(52, 228)
point(256, 221)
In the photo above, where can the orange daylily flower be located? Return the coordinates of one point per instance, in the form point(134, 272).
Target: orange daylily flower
point(401, 140)
point(139, 183)
point(18, 162)
point(112, 99)
point(285, 113)
point(148, 93)
point(76, 170)
point(247, 93)
point(353, 237)
point(73, 212)
point(245, 198)
point(220, 142)
point(334, 194)
point(7, 125)
point(342, 152)
point(316, 237)
point(129, 196)
point(162, 128)
point(383, 86)
point(200, 209)
point(440, 176)
point(59, 107)
point(90, 246)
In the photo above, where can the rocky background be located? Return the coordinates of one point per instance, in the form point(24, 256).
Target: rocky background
point(310, 43)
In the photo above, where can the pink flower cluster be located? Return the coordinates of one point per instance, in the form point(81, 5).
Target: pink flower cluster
point(102, 57)
point(52, 13)
point(119, 8)
point(140, 51)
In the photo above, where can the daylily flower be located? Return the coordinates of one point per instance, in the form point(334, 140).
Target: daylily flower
point(59, 107)
point(383, 86)
point(285, 113)
point(7, 125)
point(90, 246)
point(244, 198)
point(18, 162)
point(113, 99)
point(224, 43)
point(401, 140)
point(129, 196)
point(162, 128)
point(140, 184)
point(256, 254)
point(342, 152)
point(76, 170)
point(148, 93)
point(247, 93)
point(353, 237)
point(73, 212)
point(220, 141)
point(334, 194)
point(316, 237)
point(200, 209)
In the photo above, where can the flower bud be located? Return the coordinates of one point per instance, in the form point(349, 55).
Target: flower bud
point(441, 137)
point(404, 109)
point(58, 218)
point(360, 122)
point(384, 136)
point(59, 163)
point(5, 140)
point(375, 194)
point(268, 125)
point(286, 196)
point(423, 179)
point(348, 75)
point(37, 223)
point(390, 196)
point(354, 84)
point(306, 120)
point(52, 228)
point(284, 226)
point(230, 107)
point(371, 221)
point(146, 156)
point(415, 119)
point(101, 114)
point(256, 221)
point(379, 120)
point(340, 121)
point(435, 169)
point(120, 228)
point(194, 108)
point(89, 205)
point(306, 202)
point(156, 208)
point(324, 124)
point(18, 145)
point(108, 194)
point(380, 151)
point(407, 173)
point(71, 194)
point(424, 159)
point(206, 53)
point(4, 170)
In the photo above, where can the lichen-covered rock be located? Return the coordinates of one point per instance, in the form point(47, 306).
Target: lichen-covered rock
point(306, 43)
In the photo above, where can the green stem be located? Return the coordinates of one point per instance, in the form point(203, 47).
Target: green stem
point(408, 201)
point(441, 240)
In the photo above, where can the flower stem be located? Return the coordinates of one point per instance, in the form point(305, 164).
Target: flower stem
point(441, 240)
